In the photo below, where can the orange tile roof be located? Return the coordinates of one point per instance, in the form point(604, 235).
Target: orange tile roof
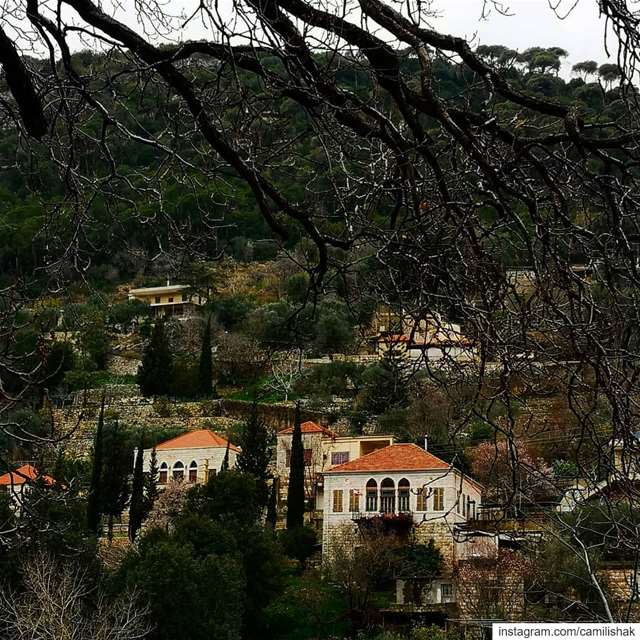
point(23, 474)
point(309, 427)
point(200, 439)
point(395, 457)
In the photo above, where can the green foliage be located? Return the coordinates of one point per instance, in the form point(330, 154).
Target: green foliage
point(297, 287)
point(255, 443)
point(155, 373)
point(60, 359)
point(185, 379)
point(231, 311)
point(309, 607)
point(299, 543)
point(124, 313)
point(296, 491)
point(94, 496)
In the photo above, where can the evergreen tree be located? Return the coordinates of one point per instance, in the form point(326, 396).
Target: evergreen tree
point(114, 482)
point(94, 498)
point(255, 443)
point(225, 461)
point(272, 506)
point(295, 494)
point(205, 371)
point(155, 372)
point(137, 504)
point(151, 484)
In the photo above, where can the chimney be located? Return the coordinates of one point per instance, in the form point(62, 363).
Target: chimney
point(426, 442)
point(168, 282)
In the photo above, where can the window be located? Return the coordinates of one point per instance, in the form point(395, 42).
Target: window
point(421, 499)
point(157, 299)
point(170, 299)
point(404, 492)
point(337, 501)
point(339, 457)
point(372, 495)
point(164, 470)
point(308, 456)
point(438, 499)
point(387, 496)
point(178, 471)
point(446, 592)
point(354, 500)
point(193, 471)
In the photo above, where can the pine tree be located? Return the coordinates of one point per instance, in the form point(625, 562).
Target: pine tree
point(155, 372)
point(295, 494)
point(136, 506)
point(225, 461)
point(205, 371)
point(94, 498)
point(272, 505)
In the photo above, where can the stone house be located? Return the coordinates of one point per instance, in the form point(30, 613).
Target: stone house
point(404, 488)
point(192, 456)
point(322, 449)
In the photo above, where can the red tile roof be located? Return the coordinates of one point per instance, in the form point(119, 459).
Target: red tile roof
point(23, 474)
point(200, 439)
point(395, 457)
point(309, 427)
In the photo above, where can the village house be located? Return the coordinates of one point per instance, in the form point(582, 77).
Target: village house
point(430, 340)
point(403, 487)
point(170, 300)
point(17, 483)
point(322, 449)
point(193, 457)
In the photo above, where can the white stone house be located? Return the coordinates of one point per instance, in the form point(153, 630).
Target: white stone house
point(322, 450)
point(170, 300)
point(192, 456)
point(398, 482)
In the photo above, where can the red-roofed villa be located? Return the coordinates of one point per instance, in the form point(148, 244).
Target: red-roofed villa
point(192, 456)
point(17, 481)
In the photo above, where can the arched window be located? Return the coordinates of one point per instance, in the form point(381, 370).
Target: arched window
point(387, 496)
point(372, 495)
point(193, 471)
point(404, 491)
point(178, 471)
point(164, 472)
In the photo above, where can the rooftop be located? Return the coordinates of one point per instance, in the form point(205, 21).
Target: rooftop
point(153, 290)
point(309, 427)
point(395, 457)
point(23, 474)
point(200, 439)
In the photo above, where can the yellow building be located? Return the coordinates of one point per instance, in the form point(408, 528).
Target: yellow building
point(170, 300)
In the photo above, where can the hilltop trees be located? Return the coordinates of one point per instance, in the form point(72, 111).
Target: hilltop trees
point(585, 69)
point(155, 372)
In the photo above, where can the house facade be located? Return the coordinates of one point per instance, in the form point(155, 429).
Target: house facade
point(191, 457)
point(400, 480)
point(170, 300)
point(322, 449)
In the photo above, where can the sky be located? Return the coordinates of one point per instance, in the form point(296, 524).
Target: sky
point(532, 23)
point(575, 25)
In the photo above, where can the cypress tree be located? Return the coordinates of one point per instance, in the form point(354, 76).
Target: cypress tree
point(136, 506)
point(155, 372)
point(295, 493)
point(151, 484)
point(255, 442)
point(116, 468)
point(225, 461)
point(272, 506)
point(205, 370)
point(93, 500)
